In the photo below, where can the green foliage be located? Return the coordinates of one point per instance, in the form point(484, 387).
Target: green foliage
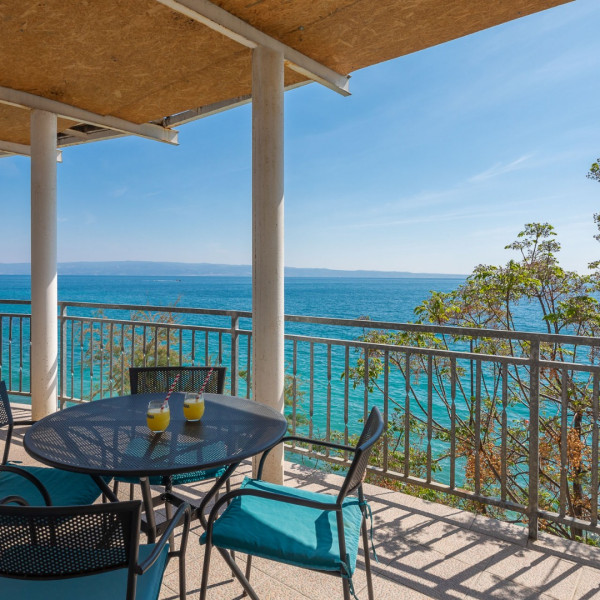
point(594, 172)
point(564, 302)
point(150, 340)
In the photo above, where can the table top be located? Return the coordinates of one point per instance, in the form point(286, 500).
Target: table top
point(110, 436)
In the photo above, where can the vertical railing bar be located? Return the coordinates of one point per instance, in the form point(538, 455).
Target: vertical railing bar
point(206, 354)
point(534, 442)
point(81, 359)
point(220, 348)
point(429, 415)
point(328, 418)
point(132, 363)
point(366, 381)
point(21, 354)
point(312, 390)
point(346, 396)
point(62, 353)
point(156, 334)
point(168, 330)
point(478, 375)
point(194, 350)
point(249, 367)
point(235, 349)
point(72, 358)
point(122, 359)
point(10, 335)
point(386, 390)
point(294, 387)
point(453, 422)
point(595, 466)
point(407, 417)
point(91, 394)
point(180, 345)
point(144, 353)
point(504, 439)
point(563, 443)
point(101, 360)
point(111, 348)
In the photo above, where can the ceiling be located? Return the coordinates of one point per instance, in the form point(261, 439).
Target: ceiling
point(144, 61)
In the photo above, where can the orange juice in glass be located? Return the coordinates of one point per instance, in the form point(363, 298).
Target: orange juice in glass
point(193, 406)
point(158, 416)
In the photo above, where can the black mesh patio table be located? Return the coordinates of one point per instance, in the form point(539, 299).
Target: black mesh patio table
point(110, 437)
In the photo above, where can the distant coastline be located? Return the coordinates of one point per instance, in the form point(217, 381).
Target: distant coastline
point(175, 269)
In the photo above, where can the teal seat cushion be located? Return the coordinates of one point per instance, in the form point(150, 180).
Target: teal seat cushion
point(65, 488)
point(179, 479)
point(111, 585)
point(297, 535)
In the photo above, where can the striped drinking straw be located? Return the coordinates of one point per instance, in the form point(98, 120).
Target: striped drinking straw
point(206, 380)
point(171, 390)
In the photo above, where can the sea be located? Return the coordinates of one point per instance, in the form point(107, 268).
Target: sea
point(385, 299)
point(348, 298)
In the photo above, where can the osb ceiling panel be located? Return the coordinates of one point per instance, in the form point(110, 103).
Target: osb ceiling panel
point(347, 35)
point(14, 124)
point(141, 61)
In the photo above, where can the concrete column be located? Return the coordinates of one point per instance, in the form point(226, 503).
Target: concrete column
point(44, 297)
point(267, 239)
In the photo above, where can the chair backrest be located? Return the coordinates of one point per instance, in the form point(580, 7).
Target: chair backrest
point(370, 434)
point(145, 380)
point(6, 418)
point(69, 541)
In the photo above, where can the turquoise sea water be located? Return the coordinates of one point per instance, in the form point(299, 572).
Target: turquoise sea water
point(380, 299)
point(390, 300)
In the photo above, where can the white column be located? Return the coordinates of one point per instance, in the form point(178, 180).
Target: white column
point(44, 298)
point(267, 239)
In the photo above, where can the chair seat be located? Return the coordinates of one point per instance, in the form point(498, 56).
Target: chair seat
point(297, 535)
point(65, 488)
point(179, 479)
point(99, 586)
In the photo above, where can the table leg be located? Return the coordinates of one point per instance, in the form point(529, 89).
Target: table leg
point(149, 509)
point(104, 488)
point(213, 491)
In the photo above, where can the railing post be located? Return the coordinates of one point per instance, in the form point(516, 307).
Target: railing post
point(62, 353)
point(534, 442)
point(235, 322)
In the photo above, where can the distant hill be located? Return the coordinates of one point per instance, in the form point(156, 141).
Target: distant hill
point(175, 269)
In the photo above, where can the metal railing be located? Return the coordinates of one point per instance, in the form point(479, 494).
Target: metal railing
point(507, 421)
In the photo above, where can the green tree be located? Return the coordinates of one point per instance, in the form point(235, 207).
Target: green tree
point(562, 301)
point(594, 172)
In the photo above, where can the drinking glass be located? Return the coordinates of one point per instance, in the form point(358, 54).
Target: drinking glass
point(158, 416)
point(193, 406)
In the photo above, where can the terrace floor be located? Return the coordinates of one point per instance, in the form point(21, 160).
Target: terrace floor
point(425, 550)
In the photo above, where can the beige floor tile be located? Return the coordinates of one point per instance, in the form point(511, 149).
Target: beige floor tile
point(491, 587)
point(588, 587)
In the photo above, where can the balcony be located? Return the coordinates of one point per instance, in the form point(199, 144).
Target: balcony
point(336, 369)
point(425, 550)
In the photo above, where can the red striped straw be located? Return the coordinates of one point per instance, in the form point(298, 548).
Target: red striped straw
point(206, 380)
point(171, 390)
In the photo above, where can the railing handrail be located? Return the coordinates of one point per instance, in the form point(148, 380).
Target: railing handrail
point(475, 332)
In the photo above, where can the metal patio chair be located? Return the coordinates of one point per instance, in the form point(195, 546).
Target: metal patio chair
point(146, 380)
point(39, 485)
point(307, 529)
point(91, 552)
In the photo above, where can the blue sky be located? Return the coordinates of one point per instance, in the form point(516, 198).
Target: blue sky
point(432, 165)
